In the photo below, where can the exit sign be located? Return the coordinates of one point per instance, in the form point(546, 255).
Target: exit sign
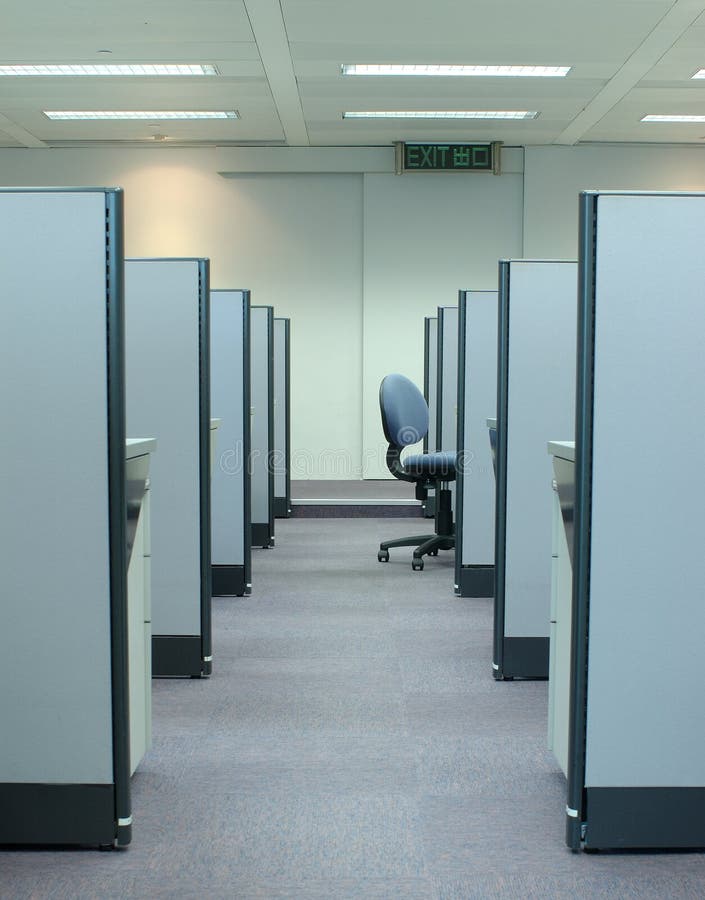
point(447, 157)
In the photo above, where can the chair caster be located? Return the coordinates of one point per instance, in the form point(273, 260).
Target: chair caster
point(383, 556)
point(417, 565)
point(433, 552)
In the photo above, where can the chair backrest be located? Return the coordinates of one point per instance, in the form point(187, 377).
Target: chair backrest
point(404, 411)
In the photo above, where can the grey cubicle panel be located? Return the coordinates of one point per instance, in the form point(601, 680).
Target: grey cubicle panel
point(535, 403)
point(636, 768)
point(167, 383)
point(282, 419)
point(447, 379)
point(430, 379)
point(64, 757)
point(262, 429)
point(230, 402)
point(477, 401)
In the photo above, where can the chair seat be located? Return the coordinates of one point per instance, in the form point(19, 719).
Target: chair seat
point(435, 465)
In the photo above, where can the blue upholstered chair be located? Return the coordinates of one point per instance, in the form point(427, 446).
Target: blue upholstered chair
point(405, 422)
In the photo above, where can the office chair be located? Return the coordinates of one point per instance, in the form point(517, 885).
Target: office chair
point(405, 421)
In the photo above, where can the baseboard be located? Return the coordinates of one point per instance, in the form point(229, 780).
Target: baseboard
point(73, 814)
point(229, 581)
point(476, 581)
point(524, 657)
point(644, 818)
point(177, 656)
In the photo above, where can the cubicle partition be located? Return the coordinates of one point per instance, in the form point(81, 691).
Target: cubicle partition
point(230, 402)
point(535, 403)
point(447, 379)
point(477, 400)
point(262, 427)
point(637, 732)
point(430, 382)
point(167, 383)
point(65, 744)
point(282, 419)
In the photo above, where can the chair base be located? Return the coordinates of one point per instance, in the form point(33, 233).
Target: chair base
point(425, 544)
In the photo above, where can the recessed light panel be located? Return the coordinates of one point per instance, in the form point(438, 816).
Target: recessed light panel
point(463, 71)
point(655, 118)
point(138, 114)
point(135, 69)
point(443, 114)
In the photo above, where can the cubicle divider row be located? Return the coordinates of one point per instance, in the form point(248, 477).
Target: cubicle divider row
point(581, 576)
point(110, 556)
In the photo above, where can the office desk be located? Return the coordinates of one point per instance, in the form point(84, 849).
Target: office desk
point(563, 453)
point(139, 584)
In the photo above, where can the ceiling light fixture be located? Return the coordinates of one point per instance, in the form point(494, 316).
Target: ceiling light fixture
point(699, 74)
point(655, 118)
point(109, 70)
point(450, 71)
point(443, 114)
point(114, 114)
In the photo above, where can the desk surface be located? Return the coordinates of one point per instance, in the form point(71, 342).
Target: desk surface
point(564, 449)
point(139, 446)
point(492, 423)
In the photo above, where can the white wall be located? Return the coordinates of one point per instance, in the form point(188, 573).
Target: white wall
point(554, 176)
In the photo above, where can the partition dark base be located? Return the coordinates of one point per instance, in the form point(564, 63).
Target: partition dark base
point(179, 656)
point(476, 581)
point(523, 657)
point(262, 535)
point(71, 814)
point(644, 818)
point(281, 508)
point(229, 581)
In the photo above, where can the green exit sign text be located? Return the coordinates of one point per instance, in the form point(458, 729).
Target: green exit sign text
point(450, 157)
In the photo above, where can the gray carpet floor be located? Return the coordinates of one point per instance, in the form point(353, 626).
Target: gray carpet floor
point(351, 744)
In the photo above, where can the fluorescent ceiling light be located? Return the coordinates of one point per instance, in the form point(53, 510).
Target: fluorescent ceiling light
point(110, 69)
point(139, 114)
point(479, 71)
point(444, 114)
point(699, 74)
point(697, 119)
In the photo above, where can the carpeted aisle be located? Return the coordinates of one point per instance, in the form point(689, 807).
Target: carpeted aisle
point(351, 744)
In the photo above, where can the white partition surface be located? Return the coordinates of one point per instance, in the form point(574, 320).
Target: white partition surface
point(162, 383)
point(281, 411)
point(262, 421)
point(648, 495)
point(447, 387)
point(229, 339)
point(431, 378)
point(54, 551)
point(538, 404)
point(478, 394)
